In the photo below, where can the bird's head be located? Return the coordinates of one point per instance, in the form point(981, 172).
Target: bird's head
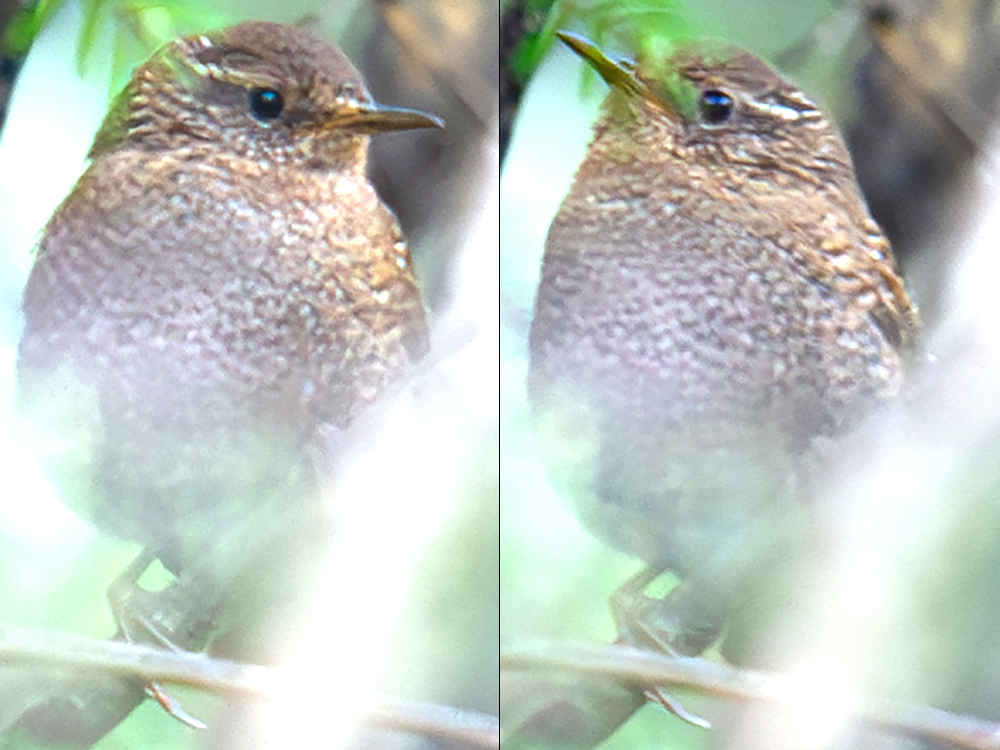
point(261, 90)
point(713, 102)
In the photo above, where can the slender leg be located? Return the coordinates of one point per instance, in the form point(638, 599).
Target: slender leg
point(128, 608)
point(645, 622)
point(631, 609)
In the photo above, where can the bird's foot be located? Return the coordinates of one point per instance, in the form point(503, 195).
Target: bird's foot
point(136, 620)
point(634, 613)
point(651, 623)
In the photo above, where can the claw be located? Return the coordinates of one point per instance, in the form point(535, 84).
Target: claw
point(675, 707)
point(155, 691)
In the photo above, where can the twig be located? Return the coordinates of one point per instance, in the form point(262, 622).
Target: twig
point(48, 648)
point(642, 668)
point(45, 647)
point(441, 722)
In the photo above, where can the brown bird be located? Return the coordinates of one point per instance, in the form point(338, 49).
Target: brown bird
point(714, 299)
point(222, 281)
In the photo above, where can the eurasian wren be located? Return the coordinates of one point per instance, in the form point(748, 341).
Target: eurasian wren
point(221, 281)
point(714, 298)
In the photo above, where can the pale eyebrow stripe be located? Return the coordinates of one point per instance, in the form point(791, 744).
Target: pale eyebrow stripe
point(788, 113)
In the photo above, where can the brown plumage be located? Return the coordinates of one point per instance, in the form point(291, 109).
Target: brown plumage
point(222, 280)
point(714, 297)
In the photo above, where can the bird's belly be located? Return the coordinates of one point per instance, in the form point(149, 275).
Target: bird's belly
point(163, 459)
point(674, 402)
point(669, 485)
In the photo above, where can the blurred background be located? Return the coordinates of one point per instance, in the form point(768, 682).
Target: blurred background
point(894, 594)
point(408, 605)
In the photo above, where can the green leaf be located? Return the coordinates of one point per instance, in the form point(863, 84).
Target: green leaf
point(25, 25)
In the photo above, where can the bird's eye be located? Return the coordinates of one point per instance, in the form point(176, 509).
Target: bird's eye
point(715, 107)
point(266, 104)
point(347, 91)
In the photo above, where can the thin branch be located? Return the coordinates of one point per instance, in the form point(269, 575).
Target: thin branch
point(441, 722)
point(19, 645)
point(45, 647)
point(643, 668)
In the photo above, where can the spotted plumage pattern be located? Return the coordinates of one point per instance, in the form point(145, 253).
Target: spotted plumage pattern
point(222, 281)
point(714, 297)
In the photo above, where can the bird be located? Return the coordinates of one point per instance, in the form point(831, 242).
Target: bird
point(716, 305)
point(220, 286)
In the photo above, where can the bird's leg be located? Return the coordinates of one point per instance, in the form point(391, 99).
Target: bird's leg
point(132, 611)
point(630, 608)
point(650, 623)
point(123, 597)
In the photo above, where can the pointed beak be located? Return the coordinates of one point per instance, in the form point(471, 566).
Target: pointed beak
point(617, 73)
point(379, 118)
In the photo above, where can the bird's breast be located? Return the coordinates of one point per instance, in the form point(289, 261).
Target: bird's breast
point(192, 331)
point(661, 303)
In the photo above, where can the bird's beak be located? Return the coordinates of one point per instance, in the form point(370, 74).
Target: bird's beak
point(378, 118)
point(619, 74)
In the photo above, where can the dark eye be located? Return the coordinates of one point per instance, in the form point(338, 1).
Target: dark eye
point(715, 107)
point(347, 91)
point(266, 104)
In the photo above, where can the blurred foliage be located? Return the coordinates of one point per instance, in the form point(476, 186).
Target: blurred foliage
point(638, 27)
point(535, 42)
point(149, 24)
point(807, 32)
point(142, 27)
point(25, 25)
